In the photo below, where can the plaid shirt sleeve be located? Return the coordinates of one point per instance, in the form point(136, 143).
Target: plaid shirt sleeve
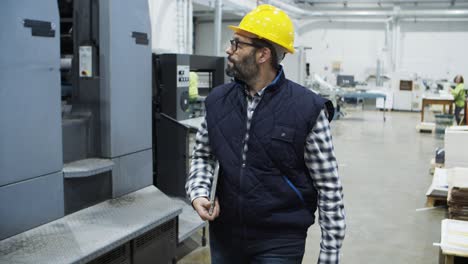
point(320, 160)
point(202, 166)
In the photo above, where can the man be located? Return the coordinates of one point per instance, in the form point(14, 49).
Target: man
point(193, 86)
point(272, 140)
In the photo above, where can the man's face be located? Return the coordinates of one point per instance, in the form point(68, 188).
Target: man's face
point(242, 62)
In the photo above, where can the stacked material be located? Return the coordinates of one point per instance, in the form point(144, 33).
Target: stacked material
point(454, 238)
point(425, 127)
point(442, 122)
point(456, 146)
point(458, 193)
point(439, 186)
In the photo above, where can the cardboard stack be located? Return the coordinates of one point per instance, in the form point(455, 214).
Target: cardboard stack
point(457, 199)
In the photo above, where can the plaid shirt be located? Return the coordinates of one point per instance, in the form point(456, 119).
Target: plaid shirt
point(320, 160)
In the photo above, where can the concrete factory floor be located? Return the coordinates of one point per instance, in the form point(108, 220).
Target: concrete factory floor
point(384, 167)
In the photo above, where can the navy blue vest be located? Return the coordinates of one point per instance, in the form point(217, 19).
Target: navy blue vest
point(271, 194)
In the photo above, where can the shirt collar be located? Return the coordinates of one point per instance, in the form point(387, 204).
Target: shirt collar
point(262, 91)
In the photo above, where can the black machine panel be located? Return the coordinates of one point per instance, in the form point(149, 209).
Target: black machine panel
point(172, 82)
point(170, 105)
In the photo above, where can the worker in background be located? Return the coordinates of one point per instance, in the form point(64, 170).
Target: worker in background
point(195, 105)
point(272, 139)
point(459, 97)
point(193, 86)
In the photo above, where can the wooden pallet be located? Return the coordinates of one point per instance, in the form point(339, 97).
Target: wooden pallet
point(451, 259)
point(433, 201)
point(425, 127)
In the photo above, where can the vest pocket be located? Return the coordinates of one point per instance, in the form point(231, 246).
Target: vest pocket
point(282, 146)
point(283, 133)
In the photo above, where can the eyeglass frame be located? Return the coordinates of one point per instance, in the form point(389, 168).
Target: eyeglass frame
point(235, 44)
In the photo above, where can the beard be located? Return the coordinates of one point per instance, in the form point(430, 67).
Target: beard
point(245, 69)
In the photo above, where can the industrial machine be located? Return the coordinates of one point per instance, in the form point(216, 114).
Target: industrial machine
point(107, 115)
point(345, 80)
point(172, 135)
point(31, 136)
point(76, 144)
point(407, 91)
point(295, 66)
point(171, 80)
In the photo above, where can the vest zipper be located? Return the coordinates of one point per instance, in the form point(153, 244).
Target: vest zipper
point(240, 200)
point(241, 174)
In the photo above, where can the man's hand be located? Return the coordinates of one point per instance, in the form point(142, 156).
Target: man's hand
point(202, 206)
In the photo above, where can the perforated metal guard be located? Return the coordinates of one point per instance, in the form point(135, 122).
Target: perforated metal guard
point(157, 245)
point(119, 255)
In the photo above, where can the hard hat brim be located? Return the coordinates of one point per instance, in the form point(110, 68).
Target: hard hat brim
point(245, 32)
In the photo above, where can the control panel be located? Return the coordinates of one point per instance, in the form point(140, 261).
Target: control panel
point(86, 61)
point(183, 75)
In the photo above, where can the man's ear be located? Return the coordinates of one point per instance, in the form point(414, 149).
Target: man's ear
point(264, 55)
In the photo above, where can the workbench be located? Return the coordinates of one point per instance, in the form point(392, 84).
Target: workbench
point(430, 100)
point(366, 95)
point(465, 111)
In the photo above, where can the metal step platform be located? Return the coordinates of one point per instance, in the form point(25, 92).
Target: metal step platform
point(87, 167)
point(189, 221)
point(89, 233)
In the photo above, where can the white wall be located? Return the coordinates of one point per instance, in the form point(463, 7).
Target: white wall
point(204, 38)
point(163, 14)
point(163, 24)
point(431, 49)
point(357, 45)
point(435, 49)
point(171, 25)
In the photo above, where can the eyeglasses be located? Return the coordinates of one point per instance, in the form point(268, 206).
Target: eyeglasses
point(235, 44)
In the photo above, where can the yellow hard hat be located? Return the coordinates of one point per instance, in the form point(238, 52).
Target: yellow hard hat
point(269, 23)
